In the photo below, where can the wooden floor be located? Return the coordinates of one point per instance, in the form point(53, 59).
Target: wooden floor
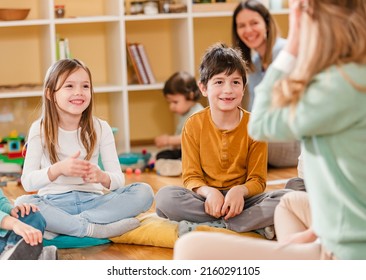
point(114, 251)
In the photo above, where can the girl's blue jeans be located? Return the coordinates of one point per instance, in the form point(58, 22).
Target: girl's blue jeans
point(70, 213)
point(34, 219)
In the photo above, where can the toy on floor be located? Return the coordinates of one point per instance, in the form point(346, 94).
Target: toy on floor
point(11, 148)
point(134, 162)
point(129, 171)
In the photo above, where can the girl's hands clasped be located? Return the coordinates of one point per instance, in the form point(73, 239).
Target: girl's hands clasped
point(75, 167)
point(93, 174)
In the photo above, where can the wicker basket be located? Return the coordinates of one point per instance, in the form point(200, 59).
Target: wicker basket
point(13, 14)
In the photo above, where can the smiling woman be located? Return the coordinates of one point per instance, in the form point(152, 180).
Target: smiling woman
point(255, 33)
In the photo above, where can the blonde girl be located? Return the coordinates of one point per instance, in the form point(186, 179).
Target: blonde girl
point(74, 195)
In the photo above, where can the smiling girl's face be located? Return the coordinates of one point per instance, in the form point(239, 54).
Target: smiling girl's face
point(74, 95)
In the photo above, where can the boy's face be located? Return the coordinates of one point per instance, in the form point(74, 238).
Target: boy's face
point(224, 92)
point(178, 104)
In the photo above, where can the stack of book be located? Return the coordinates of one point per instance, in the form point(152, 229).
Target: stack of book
point(62, 48)
point(139, 63)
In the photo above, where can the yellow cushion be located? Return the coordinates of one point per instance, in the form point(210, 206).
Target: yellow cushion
point(153, 231)
point(159, 232)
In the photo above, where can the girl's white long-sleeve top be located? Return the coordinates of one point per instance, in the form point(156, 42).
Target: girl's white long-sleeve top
point(37, 160)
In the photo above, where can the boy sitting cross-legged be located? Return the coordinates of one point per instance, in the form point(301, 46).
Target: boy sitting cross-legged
point(224, 169)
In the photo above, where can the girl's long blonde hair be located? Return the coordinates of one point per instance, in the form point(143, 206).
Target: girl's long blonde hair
point(333, 32)
point(55, 77)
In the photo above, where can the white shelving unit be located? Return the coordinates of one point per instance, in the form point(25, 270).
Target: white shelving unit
point(98, 36)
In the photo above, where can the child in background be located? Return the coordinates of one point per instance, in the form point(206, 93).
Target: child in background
point(182, 94)
point(75, 196)
point(314, 91)
point(21, 232)
point(224, 170)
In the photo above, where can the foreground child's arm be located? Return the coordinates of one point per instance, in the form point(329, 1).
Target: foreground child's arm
point(30, 234)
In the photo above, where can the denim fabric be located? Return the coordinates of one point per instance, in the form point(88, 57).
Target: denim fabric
point(70, 213)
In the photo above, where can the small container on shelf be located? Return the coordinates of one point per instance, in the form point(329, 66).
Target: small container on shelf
point(171, 6)
point(164, 6)
point(136, 7)
point(151, 7)
point(59, 11)
point(13, 14)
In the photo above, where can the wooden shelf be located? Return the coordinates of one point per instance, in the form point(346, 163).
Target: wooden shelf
point(98, 34)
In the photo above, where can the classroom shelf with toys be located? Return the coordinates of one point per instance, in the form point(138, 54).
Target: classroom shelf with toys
point(173, 33)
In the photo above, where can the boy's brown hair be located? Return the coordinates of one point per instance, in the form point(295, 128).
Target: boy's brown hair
point(221, 58)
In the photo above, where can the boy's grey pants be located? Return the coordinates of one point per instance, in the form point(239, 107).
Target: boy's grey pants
point(178, 203)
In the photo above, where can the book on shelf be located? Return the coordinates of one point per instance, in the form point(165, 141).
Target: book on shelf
point(62, 48)
point(132, 71)
point(139, 64)
point(146, 63)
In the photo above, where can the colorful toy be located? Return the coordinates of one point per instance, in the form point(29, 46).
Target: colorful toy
point(134, 160)
point(129, 170)
point(11, 148)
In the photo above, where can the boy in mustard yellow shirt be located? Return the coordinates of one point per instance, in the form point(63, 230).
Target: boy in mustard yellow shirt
point(224, 169)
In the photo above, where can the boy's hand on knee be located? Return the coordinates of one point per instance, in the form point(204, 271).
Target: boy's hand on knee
point(214, 202)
